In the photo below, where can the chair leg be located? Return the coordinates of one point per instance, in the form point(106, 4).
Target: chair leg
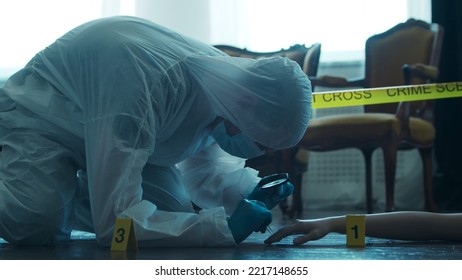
point(296, 178)
point(296, 208)
point(426, 155)
point(390, 153)
point(367, 153)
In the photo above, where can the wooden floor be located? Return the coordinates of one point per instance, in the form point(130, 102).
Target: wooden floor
point(332, 247)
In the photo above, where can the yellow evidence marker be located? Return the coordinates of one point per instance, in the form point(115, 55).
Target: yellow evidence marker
point(356, 230)
point(123, 238)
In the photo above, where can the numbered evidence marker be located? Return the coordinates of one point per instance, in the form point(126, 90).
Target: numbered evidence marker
point(123, 238)
point(356, 230)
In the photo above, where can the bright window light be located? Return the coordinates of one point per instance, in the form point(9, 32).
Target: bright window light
point(342, 27)
point(27, 26)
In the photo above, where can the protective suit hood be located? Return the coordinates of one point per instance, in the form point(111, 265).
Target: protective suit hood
point(268, 99)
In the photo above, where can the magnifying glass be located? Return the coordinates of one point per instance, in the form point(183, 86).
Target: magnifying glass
point(273, 180)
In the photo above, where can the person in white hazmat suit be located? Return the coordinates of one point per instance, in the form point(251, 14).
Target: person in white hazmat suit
point(121, 117)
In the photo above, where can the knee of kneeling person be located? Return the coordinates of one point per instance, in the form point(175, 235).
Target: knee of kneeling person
point(28, 231)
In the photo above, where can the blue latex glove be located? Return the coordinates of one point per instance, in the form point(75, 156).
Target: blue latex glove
point(248, 217)
point(272, 196)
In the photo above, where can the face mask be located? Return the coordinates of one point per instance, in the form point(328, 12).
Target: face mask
point(238, 145)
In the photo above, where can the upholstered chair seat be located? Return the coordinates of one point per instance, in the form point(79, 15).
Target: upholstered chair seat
point(340, 130)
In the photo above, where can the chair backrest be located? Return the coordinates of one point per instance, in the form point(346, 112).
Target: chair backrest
point(306, 57)
point(311, 62)
point(410, 42)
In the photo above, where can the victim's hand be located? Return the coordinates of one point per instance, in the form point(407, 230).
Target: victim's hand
point(310, 230)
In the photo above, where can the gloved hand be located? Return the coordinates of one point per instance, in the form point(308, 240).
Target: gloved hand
point(248, 217)
point(272, 196)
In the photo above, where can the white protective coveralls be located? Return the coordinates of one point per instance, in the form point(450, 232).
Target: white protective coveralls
point(114, 119)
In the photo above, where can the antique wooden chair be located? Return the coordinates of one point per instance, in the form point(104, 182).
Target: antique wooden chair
point(408, 53)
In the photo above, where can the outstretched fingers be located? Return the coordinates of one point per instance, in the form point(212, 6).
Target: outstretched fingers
point(311, 230)
point(310, 236)
point(295, 228)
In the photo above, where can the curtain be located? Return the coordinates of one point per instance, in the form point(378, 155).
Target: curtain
point(448, 112)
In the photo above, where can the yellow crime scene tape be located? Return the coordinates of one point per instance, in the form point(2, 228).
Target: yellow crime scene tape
point(368, 96)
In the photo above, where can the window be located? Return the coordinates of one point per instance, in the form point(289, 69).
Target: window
point(341, 26)
point(26, 26)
